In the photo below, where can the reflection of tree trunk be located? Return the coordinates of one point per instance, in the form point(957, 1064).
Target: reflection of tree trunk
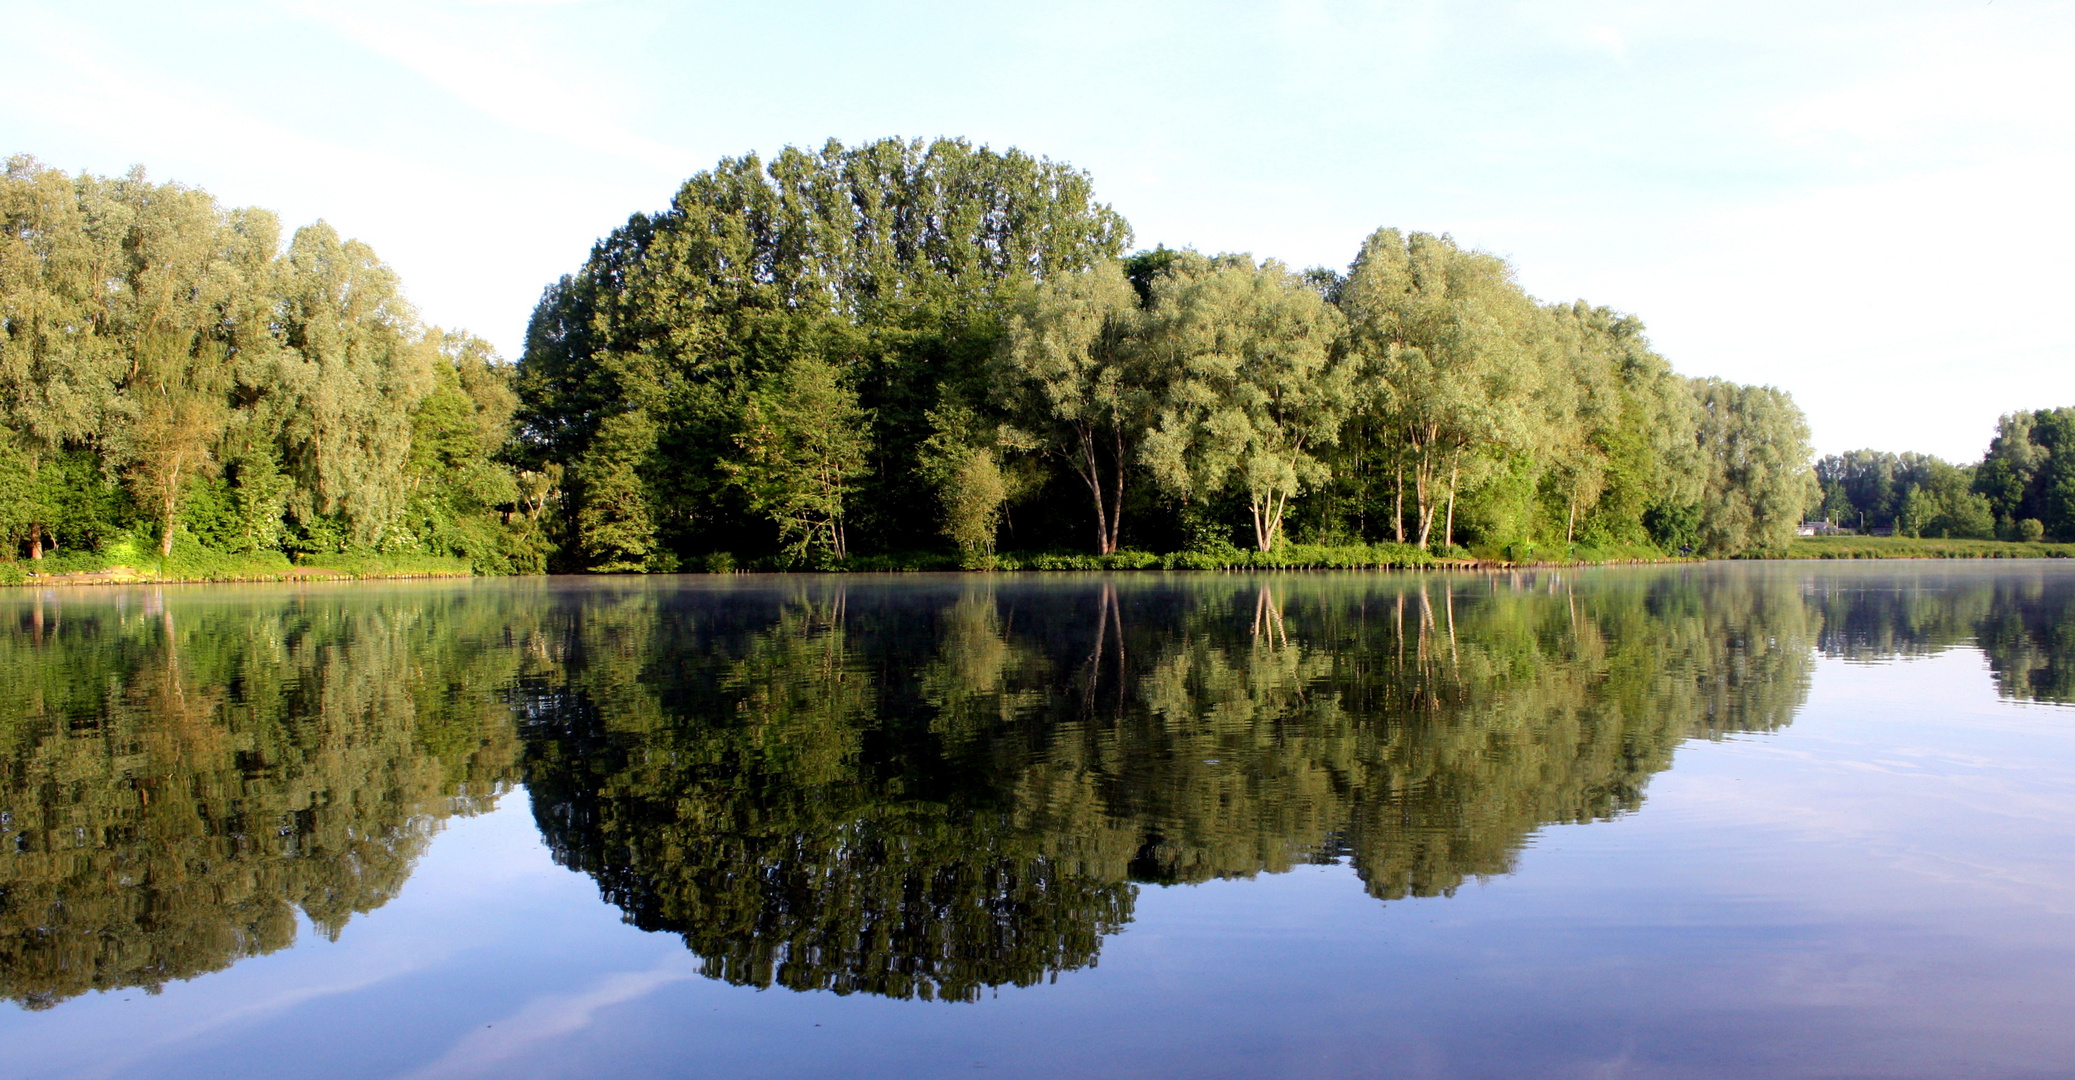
point(1401, 625)
point(1448, 599)
point(1268, 617)
point(1106, 605)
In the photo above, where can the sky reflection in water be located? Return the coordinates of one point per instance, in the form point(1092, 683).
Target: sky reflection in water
point(1205, 825)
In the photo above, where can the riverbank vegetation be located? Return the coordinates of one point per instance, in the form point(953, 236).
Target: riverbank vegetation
point(2022, 491)
point(905, 346)
point(891, 353)
point(173, 377)
point(1909, 547)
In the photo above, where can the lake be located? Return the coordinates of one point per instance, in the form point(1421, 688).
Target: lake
point(1711, 820)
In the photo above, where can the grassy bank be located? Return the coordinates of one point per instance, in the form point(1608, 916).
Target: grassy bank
point(128, 561)
point(1903, 547)
point(1288, 557)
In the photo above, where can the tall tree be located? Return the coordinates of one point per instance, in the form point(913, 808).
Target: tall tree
point(1442, 339)
point(62, 269)
point(1070, 373)
point(1255, 385)
point(1753, 441)
point(907, 253)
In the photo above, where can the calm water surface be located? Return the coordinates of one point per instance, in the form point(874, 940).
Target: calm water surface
point(1732, 820)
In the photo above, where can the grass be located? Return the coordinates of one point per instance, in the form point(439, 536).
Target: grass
point(1903, 547)
point(128, 559)
point(1287, 557)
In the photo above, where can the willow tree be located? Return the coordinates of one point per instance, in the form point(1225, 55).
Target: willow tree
point(357, 363)
point(255, 397)
point(184, 280)
point(1442, 337)
point(1070, 373)
point(61, 271)
point(1614, 425)
point(1753, 445)
point(1254, 384)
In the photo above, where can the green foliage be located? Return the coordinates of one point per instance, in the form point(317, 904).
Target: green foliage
point(1944, 506)
point(893, 261)
point(167, 362)
point(860, 351)
point(801, 450)
point(1255, 384)
point(2029, 471)
point(1074, 379)
point(1026, 379)
point(1754, 445)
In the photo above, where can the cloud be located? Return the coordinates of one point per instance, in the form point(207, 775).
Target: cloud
point(550, 1017)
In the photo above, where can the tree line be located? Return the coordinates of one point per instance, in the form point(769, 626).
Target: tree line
point(171, 371)
point(2023, 488)
point(899, 345)
point(893, 349)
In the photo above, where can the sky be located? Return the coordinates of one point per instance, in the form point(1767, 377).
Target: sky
point(1866, 203)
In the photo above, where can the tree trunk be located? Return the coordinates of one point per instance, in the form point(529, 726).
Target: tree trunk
point(1448, 532)
point(1092, 474)
point(1116, 491)
point(1398, 507)
point(1419, 495)
point(36, 540)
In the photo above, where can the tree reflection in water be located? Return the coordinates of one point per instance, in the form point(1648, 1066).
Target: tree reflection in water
point(920, 788)
point(180, 778)
point(925, 793)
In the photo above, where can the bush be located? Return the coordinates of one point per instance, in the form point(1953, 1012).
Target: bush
point(2031, 530)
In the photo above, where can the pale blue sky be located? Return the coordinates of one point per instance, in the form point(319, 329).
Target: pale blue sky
point(1865, 203)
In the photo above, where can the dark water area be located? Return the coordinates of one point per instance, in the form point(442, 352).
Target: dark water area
point(1722, 820)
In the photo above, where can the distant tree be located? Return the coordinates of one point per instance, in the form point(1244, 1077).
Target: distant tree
point(2029, 471)
point(1944, 507)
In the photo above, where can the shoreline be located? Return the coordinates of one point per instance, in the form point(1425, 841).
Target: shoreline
point(1802, 550)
